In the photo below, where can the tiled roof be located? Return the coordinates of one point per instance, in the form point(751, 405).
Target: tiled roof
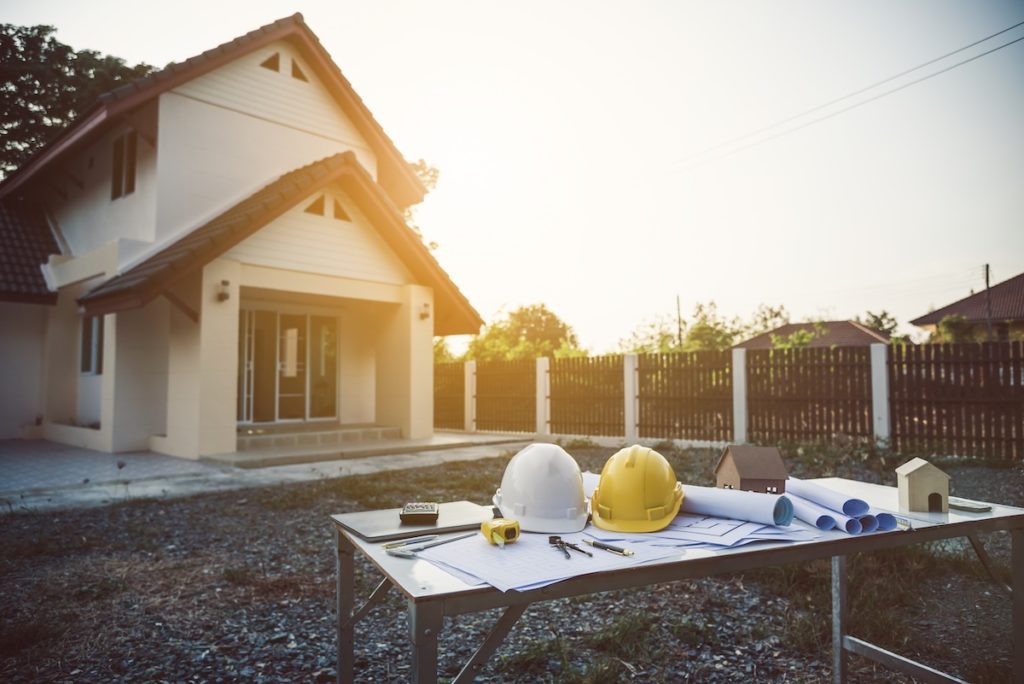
point(754, 462)
point(1007, 304)
point(836, 334)
point(395, 174)
point(25, 244)
point(150, 278)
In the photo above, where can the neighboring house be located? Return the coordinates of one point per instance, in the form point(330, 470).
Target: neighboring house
point(826, 334)
point(219, 244)
point(1007, 304)
point(751, 469)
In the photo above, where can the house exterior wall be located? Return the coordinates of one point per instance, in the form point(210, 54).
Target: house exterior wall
point(310, 243)
point(357, 365)
point(139, 400)
point(21, 366)
point(89, 218)
point(727, 474)
point(405, 364)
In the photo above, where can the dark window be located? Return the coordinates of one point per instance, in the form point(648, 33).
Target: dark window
point(92, 345)
point(122, 167)
point(297, 71)
point(273, 62)
point(339, 212)
point(317, 207)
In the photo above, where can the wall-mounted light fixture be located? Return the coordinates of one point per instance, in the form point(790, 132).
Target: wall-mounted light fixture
point(424, 311)
point(224, 291)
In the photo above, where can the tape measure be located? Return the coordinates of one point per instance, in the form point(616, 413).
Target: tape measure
point(500, 531)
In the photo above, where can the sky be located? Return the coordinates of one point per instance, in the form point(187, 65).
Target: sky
point(573, 141)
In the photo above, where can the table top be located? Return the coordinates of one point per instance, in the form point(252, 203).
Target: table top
point(419, 579)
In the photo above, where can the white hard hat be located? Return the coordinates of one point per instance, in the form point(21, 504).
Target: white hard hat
point(543, 489)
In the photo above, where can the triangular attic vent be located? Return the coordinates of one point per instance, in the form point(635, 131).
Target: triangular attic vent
point(297, 72)
point(317, 207)
point(339, 213)
point(273, 62)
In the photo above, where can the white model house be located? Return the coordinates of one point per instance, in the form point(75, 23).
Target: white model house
point(219, 244)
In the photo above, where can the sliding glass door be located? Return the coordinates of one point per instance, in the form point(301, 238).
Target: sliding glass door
point(287, 367)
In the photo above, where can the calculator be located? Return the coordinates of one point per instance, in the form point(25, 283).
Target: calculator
point(419, 513)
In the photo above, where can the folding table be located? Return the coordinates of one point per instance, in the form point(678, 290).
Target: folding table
point(431, 594)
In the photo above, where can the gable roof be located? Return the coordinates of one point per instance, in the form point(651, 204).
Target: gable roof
point(836, 334)
point(918, 464)
point(1007, 304)
point(395, 174)
point(26, 243)
point(755, 462)
point(150, 278)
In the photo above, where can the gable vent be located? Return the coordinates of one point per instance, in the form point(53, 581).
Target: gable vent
point(316, 207)
point(339, 212)
point(297, 72)
point(273, 62)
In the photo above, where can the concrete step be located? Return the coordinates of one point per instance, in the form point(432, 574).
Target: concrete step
point(331, 437)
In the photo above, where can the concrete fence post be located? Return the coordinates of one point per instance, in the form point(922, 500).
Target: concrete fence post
point(739, 396)
point(631, 415)
point(469, 380)
point(880, 392)
point(543, 384)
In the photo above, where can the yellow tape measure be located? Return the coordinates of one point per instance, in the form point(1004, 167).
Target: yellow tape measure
point(500, 531)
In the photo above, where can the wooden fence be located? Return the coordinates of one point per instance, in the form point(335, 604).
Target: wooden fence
point(809, 394)
point(449, 396)
point(965, 399)
point(685, 396)
point(506, 396)
point(586, 396)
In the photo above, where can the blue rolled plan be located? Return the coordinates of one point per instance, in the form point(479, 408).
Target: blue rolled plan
point(823, 518)
point(768, 509)
point(829, 498)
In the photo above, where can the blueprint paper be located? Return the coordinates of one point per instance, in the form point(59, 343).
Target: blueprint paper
point(868, 522)
point(532, 562)
point(767, 509)
point(843, 522)
point(826, 497)
point(812, 514)
point(886, 521)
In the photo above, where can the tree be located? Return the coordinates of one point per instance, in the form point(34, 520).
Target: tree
point(527, 332)
point(429, 176)
point(45, 85)
point(654, 336)
point(883, 321)
point(765, 318)
point(798, 339)
point(953, 328)
point(442, 353)
point(710, 331)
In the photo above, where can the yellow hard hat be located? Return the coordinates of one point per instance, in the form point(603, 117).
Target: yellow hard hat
point(637, 492)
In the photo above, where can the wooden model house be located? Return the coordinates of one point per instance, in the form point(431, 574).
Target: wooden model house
point(751, 469)
point(922, 487)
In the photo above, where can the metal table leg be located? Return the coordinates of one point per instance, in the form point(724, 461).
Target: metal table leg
point(1017, 570)
point(425, 621)
point(839, 613)
point(346, 600)
point(494, 638)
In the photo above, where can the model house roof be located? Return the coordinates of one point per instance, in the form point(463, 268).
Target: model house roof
point(918, 464)
point(150, 278)
point(834, 334)
point(26, 243)
point(755, 462)
point(394, 173)
point(1007, 300)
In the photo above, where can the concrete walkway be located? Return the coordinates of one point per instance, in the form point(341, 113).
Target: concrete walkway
point(39, 475)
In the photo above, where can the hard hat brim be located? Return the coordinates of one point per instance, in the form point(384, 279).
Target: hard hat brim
point(613, 525)
point(549, 525)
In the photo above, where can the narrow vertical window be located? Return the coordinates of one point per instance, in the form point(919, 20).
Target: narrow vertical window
point(123, 163)
point(92, 345)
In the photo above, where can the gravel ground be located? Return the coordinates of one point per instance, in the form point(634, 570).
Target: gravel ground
point(240, 587)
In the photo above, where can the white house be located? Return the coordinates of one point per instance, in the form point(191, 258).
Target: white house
point(219, 244)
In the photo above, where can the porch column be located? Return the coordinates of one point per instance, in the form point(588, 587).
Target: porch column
point(218, 357)
point(405, 364)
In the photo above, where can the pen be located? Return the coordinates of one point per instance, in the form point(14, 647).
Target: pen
point(608, 547)
point(406, 542)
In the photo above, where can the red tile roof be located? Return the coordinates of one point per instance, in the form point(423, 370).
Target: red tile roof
point(394, 172)
point(1007, 305)
point(836, 334)
point(147, 280)
point(26, 242)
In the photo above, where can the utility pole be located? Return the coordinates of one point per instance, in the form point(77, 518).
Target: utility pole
point(679, 324)
point(988, 303)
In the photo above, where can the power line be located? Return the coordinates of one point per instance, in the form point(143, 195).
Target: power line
point(848, 96)
point(848, 108)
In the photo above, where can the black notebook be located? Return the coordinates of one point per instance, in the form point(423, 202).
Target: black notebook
point(385, 525)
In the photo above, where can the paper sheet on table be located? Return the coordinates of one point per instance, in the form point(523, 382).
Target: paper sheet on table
point(829, 498)
point(767, 509)
point(532, 562)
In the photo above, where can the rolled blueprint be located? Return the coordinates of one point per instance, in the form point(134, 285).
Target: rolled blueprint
point(886, 521)
point(810, 512)
point(868, 522)
point(769, 509)
point(823, 496)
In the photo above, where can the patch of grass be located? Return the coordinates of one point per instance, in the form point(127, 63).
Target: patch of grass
point(533, 660)
point(629, 637)
point(16, 637)
point(99, 588)
point(244, 576)
point(695, 631)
